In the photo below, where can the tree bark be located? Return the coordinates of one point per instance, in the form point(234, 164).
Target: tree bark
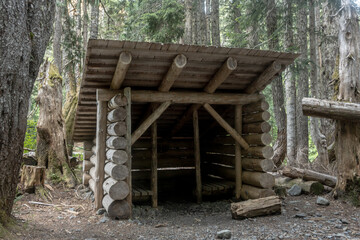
point(215, 28)
point(51, 150)
point(290, 89)
point(252, 29)
point(347, 147)
point(188, 22)
point(302, 86)
point(277, 89)
point(208, 22)
point(25, 31)
point(94, 27)
point(57, 36)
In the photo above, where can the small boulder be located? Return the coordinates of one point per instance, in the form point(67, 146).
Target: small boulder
point(295, 190)
point(224, 234)
point(300, 215)
point(322, 201)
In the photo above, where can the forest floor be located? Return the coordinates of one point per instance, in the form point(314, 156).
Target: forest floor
point(70, 217)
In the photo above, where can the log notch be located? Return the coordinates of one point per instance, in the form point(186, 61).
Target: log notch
point(220, 76)
point(263, 80)
point(197, 157)
point(121, 69)
point(257, 207)
point(309, 175)
point(309, 187)
point(238, 163)
point(344, 111)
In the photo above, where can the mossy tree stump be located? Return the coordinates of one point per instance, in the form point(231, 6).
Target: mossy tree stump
point(31, 177)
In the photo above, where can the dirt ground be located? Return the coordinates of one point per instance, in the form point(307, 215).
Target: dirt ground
point(70, 217)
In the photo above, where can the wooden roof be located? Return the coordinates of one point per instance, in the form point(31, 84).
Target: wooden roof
point(151, 61)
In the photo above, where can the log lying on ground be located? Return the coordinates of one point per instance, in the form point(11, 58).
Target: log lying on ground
point(116, 171)
point(256, 107)
point(117, 129)
point(117, 115)
point(256, 207)
point(117, 190)
point(117, 101)
point(254, 164)
point(256, 117)
point(331, 109)
point(86, 178)
point(87, 165)
point(309, 175)
point(117, 156)
point(31, 177)
point(309, 187)
point(250, 192)
point(258, 179)
point(116, 142)
point(116, 208)
point(261, 127)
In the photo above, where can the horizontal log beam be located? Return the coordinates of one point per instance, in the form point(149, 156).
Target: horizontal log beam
point(148, 96)
point(343, 111)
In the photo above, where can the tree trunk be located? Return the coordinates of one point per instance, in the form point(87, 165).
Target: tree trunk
point(51, 150)
point(202, 30)
point(85, 25)
point(215, 28)
point(290, 89)
point(277, 89)
point(347, 147)
point(188, 22)
point(25, 31)
point(196, 22)
point(302, 86)
point(208, 22)
point(57, 36)
point(94, 27)
point(252, 29)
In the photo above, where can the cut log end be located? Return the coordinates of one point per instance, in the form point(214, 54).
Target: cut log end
point(119, 209)
point(31, 177)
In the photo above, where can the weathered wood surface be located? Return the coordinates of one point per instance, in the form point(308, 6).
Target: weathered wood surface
point(261, 127)
point(93, 159)
point(172, 74)
point(238, 160)
point(154, 165)
point(197, 157)
point(344, 111)
point(221, 75)
point(116, 142)
point(256, 117)
point(119, 100)
point(260, 152)
point(264, 79)
point(92, 185)
point(117, 171)
point(117, 190)
point(258, 139)
point(251, 192)
point(120, 209)
point(88, 145)
point(87, 154)
point(256, 107)
point(255, 164)
point(257, 207)
point(309, 175)
point(85, 179)
point(117, 129)
point(117, 156)
point(117, 115)
point(258, 179)
point(128, 180)
point(31, 177)
point(87, 165)
point(121, 69)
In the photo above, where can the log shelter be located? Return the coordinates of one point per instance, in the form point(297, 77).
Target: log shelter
point(155, 117)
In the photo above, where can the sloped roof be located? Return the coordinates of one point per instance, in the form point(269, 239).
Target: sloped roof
point(151, 61)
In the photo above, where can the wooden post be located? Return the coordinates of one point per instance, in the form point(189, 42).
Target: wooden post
point(154, 163)
point(100, 152)
point(197, 157)
point(127, 93)
point(238, 165)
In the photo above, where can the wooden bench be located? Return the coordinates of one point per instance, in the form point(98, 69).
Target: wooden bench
point(140, 192)
point(216, 186)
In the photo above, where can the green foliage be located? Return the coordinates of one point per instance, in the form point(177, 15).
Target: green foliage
point(30, 136)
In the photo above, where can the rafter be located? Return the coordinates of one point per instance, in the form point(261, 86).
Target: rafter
point(121, 69)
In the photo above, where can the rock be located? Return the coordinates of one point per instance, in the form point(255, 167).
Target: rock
point(224, 234)
point(300, 215)
point(322, 201)
point(344, 221)
point(295, 190)
point(100, 211)
point(296, 209)
point(104, 220)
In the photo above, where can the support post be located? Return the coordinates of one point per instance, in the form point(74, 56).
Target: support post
point(127, 94)
point(154, 163)
point(238, 165)
point(100, 152)
point(197, 157)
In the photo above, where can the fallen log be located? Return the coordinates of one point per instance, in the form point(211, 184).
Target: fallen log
point(343, 111)
point(116, 208)
point(256, 207)
point(256, 107)
point(250, 192)
point(309, 187)
point(309, 175)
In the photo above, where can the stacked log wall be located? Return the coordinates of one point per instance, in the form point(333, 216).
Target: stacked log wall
point(87, 164)
point(219, 155)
